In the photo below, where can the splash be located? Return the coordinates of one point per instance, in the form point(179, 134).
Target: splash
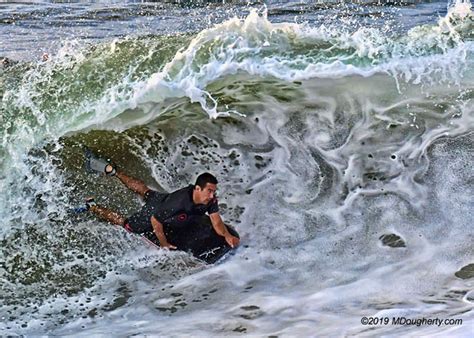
point(459, 19)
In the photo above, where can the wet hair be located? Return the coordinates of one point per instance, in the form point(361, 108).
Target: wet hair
point(205, 178)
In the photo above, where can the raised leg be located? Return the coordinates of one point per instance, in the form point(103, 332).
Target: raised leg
point(133, 184)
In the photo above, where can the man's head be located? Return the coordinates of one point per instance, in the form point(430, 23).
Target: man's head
point(204, 188)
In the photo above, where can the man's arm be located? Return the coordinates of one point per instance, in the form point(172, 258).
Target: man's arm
point(221, 229)
point(158, 230)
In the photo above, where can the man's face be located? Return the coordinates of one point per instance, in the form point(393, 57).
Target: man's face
point(207, 194)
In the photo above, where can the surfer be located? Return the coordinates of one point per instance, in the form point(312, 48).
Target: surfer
point(163, 212)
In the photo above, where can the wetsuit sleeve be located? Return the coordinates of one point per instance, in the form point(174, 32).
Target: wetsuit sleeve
point(213, 206)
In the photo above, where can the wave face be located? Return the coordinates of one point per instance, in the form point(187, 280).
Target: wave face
point(341, 136)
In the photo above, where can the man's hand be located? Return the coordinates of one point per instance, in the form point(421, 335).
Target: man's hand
point(232, 240)
point(158, 229)
point(168, 246)
point(221, 230)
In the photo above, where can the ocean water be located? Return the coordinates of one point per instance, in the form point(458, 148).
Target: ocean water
point(341, 134)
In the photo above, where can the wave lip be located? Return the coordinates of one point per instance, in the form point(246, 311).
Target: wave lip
point(258, 47)
point(254, 45)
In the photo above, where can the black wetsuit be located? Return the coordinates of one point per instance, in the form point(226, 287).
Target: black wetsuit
point(176, 211)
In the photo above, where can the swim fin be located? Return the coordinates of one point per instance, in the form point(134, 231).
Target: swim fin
point(85, 207)
point(95, 164)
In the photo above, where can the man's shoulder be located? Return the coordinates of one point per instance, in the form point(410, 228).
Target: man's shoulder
point(183, 194)
point(183, 191)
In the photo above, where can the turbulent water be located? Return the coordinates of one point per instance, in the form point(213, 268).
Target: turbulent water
point(341, 135)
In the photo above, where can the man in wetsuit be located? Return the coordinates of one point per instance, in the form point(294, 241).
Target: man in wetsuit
point(168, 213)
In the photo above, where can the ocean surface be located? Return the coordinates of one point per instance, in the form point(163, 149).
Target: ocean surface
point(341, 134)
